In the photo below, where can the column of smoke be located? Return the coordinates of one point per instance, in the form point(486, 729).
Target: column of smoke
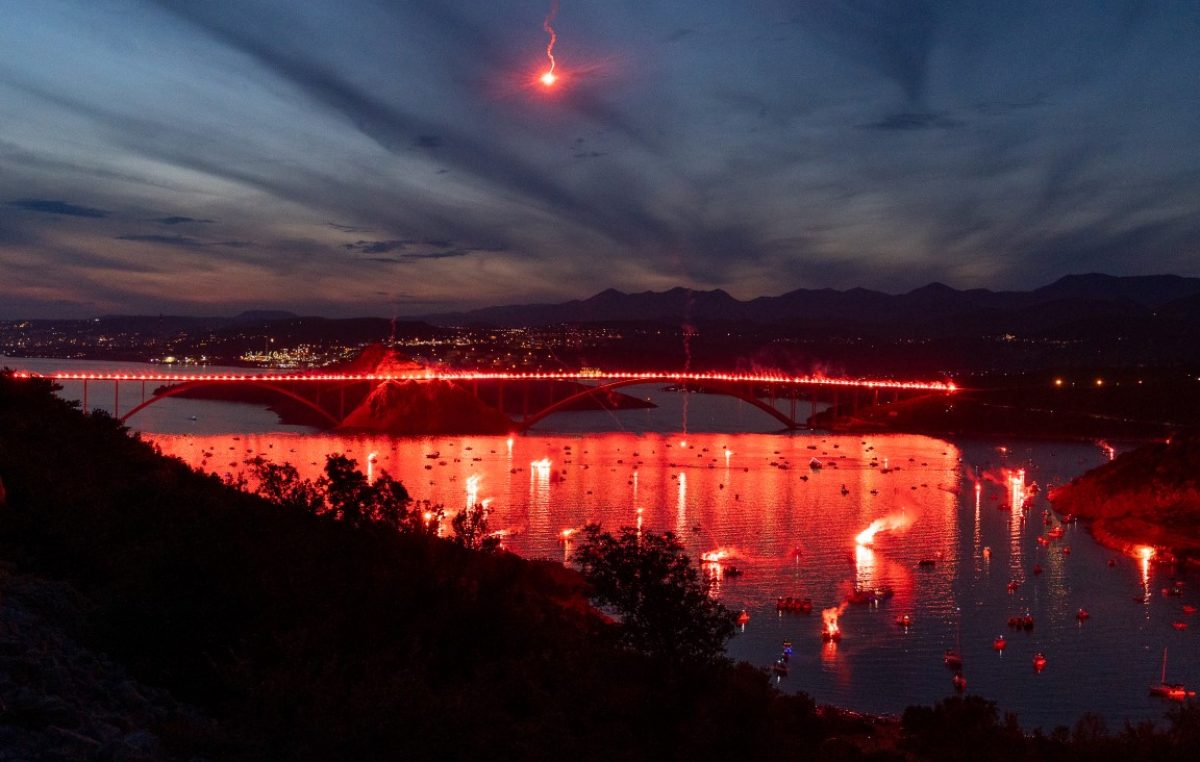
point(897, 522)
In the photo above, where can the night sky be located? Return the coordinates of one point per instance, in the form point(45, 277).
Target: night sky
point(399, 157)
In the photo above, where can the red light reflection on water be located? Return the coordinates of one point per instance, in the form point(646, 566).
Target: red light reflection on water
point(768, 507)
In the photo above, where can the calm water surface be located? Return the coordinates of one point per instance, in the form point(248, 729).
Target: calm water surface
point(731, 483)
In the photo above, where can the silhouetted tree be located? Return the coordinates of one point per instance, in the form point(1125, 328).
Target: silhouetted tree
point(662, 600)
point(281, 484)
point(471, 529)
point(961, 728)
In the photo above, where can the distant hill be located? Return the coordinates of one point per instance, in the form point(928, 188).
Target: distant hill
point(934, 309)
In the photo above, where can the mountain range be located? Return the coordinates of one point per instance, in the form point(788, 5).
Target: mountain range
point(934, 308)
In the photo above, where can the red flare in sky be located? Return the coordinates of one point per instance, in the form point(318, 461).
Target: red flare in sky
point(549, 77)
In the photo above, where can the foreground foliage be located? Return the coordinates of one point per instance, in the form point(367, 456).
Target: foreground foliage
point(664, 606)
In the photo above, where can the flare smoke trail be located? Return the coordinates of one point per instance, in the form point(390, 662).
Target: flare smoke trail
point(549, 77)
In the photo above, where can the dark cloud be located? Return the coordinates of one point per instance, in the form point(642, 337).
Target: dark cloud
point(49, 206)
point(181, 221)
point(408, 258)
point(349, 228)
point(440, 254)
point(893, 37)
point(165, 240)
point(428, 141)
point(375, 247)
point(913, 120)
point(182, 241)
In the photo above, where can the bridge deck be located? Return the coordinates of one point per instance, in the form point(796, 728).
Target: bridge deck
point(453, 375)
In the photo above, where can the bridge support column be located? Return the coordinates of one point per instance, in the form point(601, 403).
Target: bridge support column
point(85, 399)
point(116, 399)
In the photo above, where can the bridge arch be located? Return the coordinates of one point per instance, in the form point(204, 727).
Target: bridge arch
point(189, 385)
point(729, 389)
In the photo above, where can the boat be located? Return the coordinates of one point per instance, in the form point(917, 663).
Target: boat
point(1013, 585)
point(831, 637)
point(1082, 614)
point(1189, 608)
point(999, 643)
point(928, 562)
point(952, 659)
point(743, 617)
point(1021, 622)
point(904, 620)
point(1173, 691)
point(1039, 661)
point(780, 668)
point(960, 682)
point(815, 464)
point(800, 605)
point(858, 595)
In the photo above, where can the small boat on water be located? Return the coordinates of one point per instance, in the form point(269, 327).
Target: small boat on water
point(960, 682)
point(1082, 614)
point(1021, 622)
point(1039, 661)
point(1189, 608)
point(1173, 691)
point(952, 659)
point(799, 605)
point(858, 595)
point(999, 643)
point(743, 617)
point(815, 464)
point(904, 620)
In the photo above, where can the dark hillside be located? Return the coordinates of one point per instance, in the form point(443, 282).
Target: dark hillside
point(309, 638)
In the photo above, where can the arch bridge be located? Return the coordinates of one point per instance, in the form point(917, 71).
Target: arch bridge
point(324, 394)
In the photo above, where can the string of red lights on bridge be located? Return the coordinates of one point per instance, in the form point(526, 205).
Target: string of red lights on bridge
point(464, 375)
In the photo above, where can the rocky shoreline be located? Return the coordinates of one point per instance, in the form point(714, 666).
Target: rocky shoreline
point(59, 700)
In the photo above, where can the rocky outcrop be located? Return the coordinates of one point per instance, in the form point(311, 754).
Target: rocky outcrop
point(1149, 496)
point(59, 700)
